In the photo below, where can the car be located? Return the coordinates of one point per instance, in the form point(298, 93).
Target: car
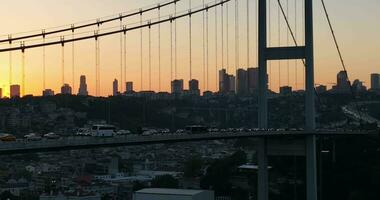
point(7, 138)
point(83, 132)
point(123, 132)
point(52, 136)
point(32, 137)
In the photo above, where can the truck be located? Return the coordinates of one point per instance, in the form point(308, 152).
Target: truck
point(103, 130)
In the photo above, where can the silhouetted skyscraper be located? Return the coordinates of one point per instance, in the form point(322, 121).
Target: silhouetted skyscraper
point(321, 89)
point(115, 87)
point(253, 79)
point(15, 91)
point(83, 86)
point(1, 93)
point(375, 81)
point(226, 82)
point(129, 87)
point(177, 86)
point(194, 87)
point(343, 85)
point(47, 92)
point(358, 86)
point(241, 82)
point(66, 89)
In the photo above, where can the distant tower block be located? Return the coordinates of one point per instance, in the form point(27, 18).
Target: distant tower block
point(14, 91)
point(83, 86)
point(113, 168)
point(129, 87)
point(115, 87)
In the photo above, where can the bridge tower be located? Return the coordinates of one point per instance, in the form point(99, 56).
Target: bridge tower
point(285, 53)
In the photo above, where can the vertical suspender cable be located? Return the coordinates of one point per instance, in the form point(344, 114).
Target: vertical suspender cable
point(159, 49)
point(125, 57)
point(227, 38)
point(216, 47)
point(222, 41)
point(63, 60)
point(43, 63)
point(248, 42)
point(287, 44)
point(171, 50)
point(141, 54)
point(23, 72)
point(175, 41)
point(96, 65)
point(207, 52)
point(150, 58)
point(236, 35)
point(295, 35)
point(190, 61)
point(73, 58)
point(256, 32)
point(10, 63)
point(121, 55)
point(203, 47)
point(279, 44)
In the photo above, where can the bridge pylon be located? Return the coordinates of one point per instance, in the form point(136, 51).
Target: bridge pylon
point(266, 54)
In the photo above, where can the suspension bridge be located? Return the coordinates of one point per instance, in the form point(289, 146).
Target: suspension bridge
point(293, 40)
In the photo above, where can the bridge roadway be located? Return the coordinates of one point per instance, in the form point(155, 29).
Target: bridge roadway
point(80, 142)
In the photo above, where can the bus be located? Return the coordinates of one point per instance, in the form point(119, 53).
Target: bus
point(103, 130)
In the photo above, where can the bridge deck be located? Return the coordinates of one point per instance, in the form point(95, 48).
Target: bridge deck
point(72, 143)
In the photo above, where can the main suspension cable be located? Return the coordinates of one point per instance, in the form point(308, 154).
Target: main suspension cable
point(97, 23)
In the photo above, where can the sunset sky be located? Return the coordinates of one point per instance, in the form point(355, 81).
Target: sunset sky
point(355, 23)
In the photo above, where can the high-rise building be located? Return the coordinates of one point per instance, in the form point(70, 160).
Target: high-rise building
point(66, 89)
point(83, 86)
point(241, 82)
point(232, 83)
point(358, 86)
point(115, 87)
point(177, 86)
point(194, 87)
point(321, 89)
point(226, 82)
point(342, 85)
point(375, 81)
point(129, 87)
point(1, 93)
point(15, 91)
point(286, 90)
point(253, 79)
point(47, 92)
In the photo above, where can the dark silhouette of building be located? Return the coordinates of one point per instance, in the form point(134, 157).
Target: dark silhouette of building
point(177, 86)
point(83, 86)
point(321, 89)
point(241, 82)
point(358, 86)
point(194, 87)
point(47, 92)
point(14, 91)
point(129, 87)
point(1, 93)
point(285, 90)
point(343, 85)
point(375, 81)
point(253, 79)
point(226, 82)
point(115, 85)
point(66, 89)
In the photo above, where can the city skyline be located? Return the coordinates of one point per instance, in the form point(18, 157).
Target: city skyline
point(326, 66)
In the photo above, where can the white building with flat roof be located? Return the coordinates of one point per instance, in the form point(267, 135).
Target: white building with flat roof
point(173, 194)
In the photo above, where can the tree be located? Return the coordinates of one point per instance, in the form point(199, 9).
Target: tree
point(193, 167)
point(165, 181)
